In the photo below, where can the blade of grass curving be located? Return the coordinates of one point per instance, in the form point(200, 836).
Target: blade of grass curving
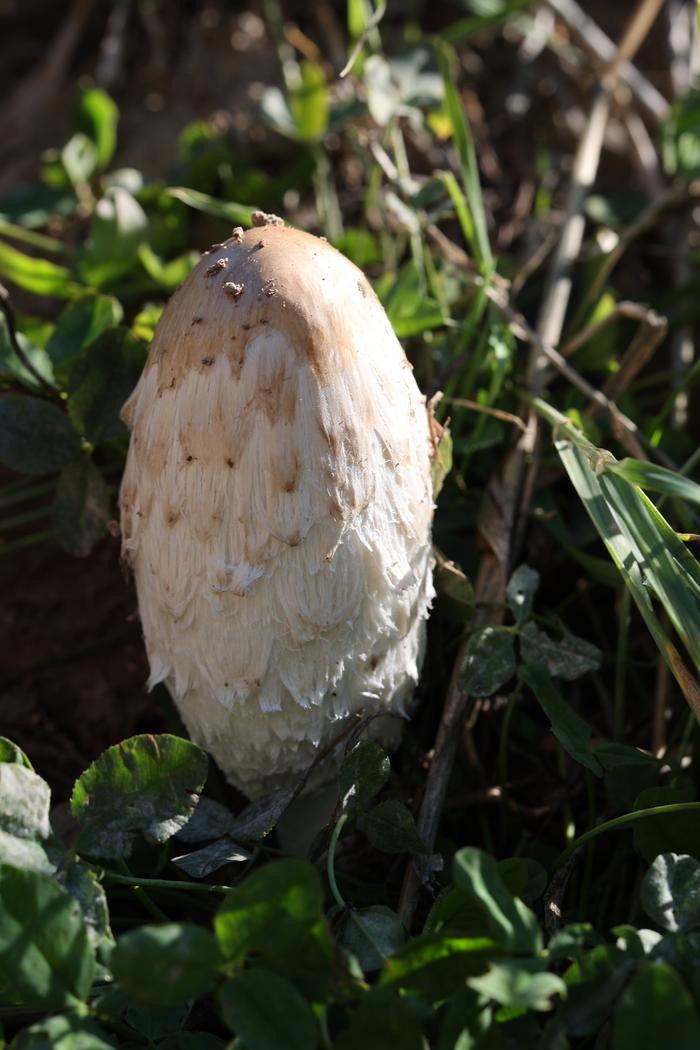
point(468, 168)
point(472, 24)
point(653, 478)
point(644, 547)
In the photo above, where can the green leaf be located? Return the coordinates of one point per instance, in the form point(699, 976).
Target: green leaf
point(202, 862)
point(441, 463)
point(594, 981)
point(147, 784)
point(655, 1009)
point(9, 752)
point(101, 380)
point(98, 117)
point(382, 1020)
point(489, 662)
point(363, 773)
point(119, 226)
point(308, 103)
point(80, 509)
point(670, 892)
point(81, 322)
point(13, 365)
point(36, 275)
point(79, 157)
point(83, 885)
point(521, 591)
point(472, 213)
point(571, 731)
point(391, 827)
point(258, 818)
point(24, 818)
point(64, 1032)
point(267, 1012)
point(156, 1023)
point(510, 921)
point(653, 478)
point(435, 966)
point(372, 935)
point(169, 275)
point(45, 956)
point(229, 210)
point(36, 437)
point(568, 658)
point(521, 984)
point(166, 965)
point(275, 911)
point(524, 877)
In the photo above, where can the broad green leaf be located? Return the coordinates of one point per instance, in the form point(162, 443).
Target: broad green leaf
point(119, 226)
point(210, 820)
point(519, 983)
point(147, 784)
point(567, 658)
point(144, 324)
point(81, 322)
point(37, 275)
point(363, 773)
point(97, 117)
point(520, 592)
point(24, 818)
point(169, 275)
point(571, 731)
point(382, 1020)
point(79, 156)
point(80, 509)
point(202, 862)
point(45, 956)
point(156, 1023)
point(258, 818)
point(163, 966)
point(101, 380)
point(510, 921)
point(489, 662)
point(83, 885)
point(34, 206)
point(655, 1010)
point(435, 966)
point(594, 981)
point(11, 364)
point(372, 935)
point(9, 752)
point(308, 103)
point(36, 437)
point(267, 1012)
point(64, 1032)
point(670, 892)
point(275, 911)
point(391, 827)
point(524, 877)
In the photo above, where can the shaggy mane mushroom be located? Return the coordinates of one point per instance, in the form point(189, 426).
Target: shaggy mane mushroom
point(276, 505)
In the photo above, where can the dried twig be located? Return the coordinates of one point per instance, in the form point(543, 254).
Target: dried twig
point(597, 43)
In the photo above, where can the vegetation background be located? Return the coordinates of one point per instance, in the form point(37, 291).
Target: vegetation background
point(520, 181)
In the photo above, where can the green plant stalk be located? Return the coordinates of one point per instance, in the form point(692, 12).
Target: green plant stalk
point(622, 822)
point(134, 881)
point(330, 865)
point(22, 491)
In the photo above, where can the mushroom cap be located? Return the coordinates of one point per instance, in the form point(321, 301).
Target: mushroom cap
point(277, 505)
